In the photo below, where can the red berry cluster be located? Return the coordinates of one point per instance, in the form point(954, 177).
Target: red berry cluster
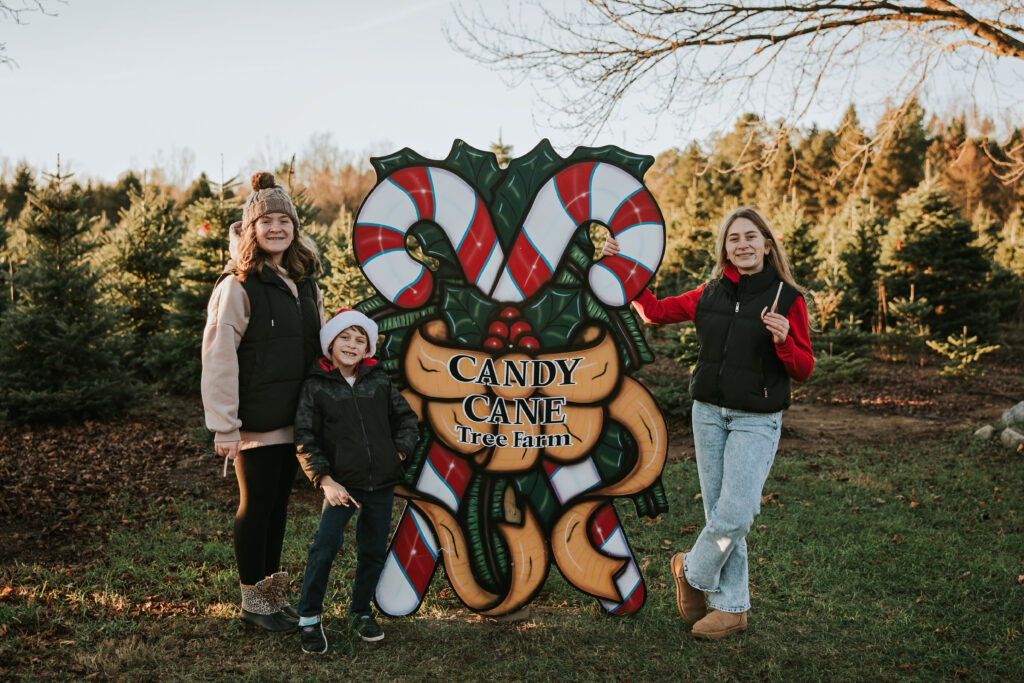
point(510, 331)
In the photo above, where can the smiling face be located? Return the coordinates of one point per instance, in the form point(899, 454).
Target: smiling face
point(349, 349)
point(746, 246)
point(274, 234)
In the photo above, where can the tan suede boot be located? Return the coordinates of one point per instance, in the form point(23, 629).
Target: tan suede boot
point(718, 624)
point(690, 601)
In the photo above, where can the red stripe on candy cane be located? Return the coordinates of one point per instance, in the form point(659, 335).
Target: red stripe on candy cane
point(413, 554)
point(478, 243)
point(370, 240)
point(418, 292)
point(631, 275)
point(573, 186)
point(640, 208)
point(416, 181)
point(527, 268)
point(602, 524)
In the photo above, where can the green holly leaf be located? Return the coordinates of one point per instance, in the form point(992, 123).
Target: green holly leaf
point(555, 315)
point(479, 168)
point(440, 255)
point(385, 166)
point(523, 178)
point(467, 311)
point(634, 164)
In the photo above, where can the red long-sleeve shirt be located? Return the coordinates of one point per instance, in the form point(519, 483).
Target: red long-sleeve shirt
point(795, 352)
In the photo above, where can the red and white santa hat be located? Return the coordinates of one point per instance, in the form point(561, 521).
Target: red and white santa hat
point(342, 320)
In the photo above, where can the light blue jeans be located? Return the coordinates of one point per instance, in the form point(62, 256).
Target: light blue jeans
point(735, 450)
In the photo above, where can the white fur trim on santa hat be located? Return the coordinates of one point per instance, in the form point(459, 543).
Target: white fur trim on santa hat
point(345, 319)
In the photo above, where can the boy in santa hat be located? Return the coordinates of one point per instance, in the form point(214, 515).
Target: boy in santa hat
point(353, 429)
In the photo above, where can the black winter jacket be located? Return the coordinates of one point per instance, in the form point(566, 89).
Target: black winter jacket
point(353, 432)
point(738, 366)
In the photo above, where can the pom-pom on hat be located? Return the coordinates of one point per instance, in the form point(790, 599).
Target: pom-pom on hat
point(267, 197)
point(342, 320)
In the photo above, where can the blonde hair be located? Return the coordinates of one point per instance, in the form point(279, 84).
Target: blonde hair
point(299, 259)
point(776, 254)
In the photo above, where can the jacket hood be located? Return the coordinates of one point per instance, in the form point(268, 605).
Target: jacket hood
point(325, 368)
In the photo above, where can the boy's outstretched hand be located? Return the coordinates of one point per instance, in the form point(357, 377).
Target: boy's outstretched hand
point(335, 493)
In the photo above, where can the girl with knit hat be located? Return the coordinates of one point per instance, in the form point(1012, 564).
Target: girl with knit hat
point(262, 334)
point(352, 430)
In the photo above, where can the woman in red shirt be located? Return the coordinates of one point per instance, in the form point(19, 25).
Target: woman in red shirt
point(752, 325)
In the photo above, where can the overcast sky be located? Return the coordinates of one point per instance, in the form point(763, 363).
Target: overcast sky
point(113, 85)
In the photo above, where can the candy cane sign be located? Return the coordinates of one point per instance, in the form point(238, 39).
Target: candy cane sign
point(516, 354)
point(575, 195)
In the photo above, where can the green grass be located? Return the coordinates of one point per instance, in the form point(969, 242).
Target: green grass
point(865, 565)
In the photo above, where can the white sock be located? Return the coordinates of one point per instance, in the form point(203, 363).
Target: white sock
point(308, 621)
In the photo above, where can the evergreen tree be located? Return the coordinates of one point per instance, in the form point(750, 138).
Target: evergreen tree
point(203, 253)
point(59, 357)
point(801, 247)
point(108, 201)
point(859, 258)
point(141, 252)
point(199, 189)
point(502, 152)
point(931, 248)
point(898, 164)
point(815, 166)
point(851, 157)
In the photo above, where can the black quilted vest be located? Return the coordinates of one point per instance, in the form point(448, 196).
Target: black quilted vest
point(280, 343)
point(737, 366)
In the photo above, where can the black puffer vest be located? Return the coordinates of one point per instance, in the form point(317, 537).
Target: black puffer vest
point(280, 343)
point(737, 366)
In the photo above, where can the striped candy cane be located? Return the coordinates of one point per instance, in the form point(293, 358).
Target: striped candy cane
point(580, 193)
point(411, 195)
point(414, 551)
point(584, 192)
point(569, 481)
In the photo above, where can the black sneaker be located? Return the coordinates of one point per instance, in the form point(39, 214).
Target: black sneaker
point(313, 639)
point(368, 628)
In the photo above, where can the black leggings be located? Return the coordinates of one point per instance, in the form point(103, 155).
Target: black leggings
point(265, 477)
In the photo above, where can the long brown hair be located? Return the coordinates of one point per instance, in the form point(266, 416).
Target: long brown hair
point(299, 259)
point(776, 253)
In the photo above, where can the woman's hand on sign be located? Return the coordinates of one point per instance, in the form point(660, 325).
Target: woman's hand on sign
point(611, 247)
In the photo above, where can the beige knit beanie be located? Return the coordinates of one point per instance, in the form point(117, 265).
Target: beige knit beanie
point(267, 197)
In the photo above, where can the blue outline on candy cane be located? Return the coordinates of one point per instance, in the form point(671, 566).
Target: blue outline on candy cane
point(628, 197)
point(561, 201)
point(446, 485)
point(538, 252)
point(511, 279)
point(380, 225)
point(635, 225)
point(387, 251)
point(419, 530)
point(476, 207)
point(414, 280)
point(635, 586)
point(479, 275)
point(590, 190)
point(415, 206)
point(633, 260)
point(433, 195)
point(615, 277)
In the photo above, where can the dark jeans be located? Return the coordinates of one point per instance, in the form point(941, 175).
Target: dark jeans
point(265, 477)
point(371, 544)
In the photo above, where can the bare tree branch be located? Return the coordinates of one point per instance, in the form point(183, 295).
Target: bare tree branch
point(18, 11)
point(684, 57)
